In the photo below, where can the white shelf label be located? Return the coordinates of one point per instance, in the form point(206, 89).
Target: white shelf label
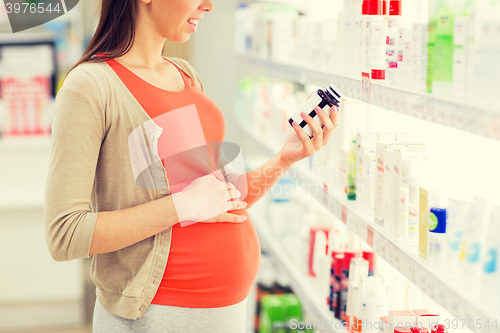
point(421, 280)
point(370, 236)
point(412, 271)
point(383, 247)
point(336, 208)
point(389, 253)
point(398, 260)
point(362, 229)
point(377, 240)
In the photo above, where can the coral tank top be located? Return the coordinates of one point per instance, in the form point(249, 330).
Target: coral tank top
point(209, 264)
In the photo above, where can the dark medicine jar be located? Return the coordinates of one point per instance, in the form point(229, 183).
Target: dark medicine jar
point(322, 98)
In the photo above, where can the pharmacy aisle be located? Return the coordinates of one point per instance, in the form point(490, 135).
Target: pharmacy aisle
point(394, 225)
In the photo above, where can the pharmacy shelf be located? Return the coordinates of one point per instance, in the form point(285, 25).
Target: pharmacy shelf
point(25, 143)
point(433, 279)
point(453, 113)
point(300, 284)
point(23, 170)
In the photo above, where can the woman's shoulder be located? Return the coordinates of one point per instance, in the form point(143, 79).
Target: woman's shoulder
point(89, 76)
point(188, 69)
point(87, 71)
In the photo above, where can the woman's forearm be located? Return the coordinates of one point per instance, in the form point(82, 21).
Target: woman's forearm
point(115, 230)
point(262, 179)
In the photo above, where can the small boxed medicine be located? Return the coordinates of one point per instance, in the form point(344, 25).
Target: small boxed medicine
point(384, 325)
point(426, 319)
point(404, 318)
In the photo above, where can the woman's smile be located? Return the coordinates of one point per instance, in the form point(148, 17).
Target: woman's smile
point(193, 24)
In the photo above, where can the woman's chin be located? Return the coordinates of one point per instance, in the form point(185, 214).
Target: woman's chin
point(180, 39)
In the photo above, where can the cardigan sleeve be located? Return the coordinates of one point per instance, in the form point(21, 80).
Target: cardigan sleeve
point(78, 129)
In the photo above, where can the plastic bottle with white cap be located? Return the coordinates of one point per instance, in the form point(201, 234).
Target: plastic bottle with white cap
point(373, 305)
point(490, 286)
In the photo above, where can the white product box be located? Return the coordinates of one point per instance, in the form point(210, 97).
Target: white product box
point(414, 152)
point(426, 319)
point(386, 137)
point(380, 180)
point(362, 173)
point(384, 325)
point(388, 165)
point(404, 318)
point(403, 137)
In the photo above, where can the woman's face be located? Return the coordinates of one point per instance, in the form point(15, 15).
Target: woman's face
point(176, 20)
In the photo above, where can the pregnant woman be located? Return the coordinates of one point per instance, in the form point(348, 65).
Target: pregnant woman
point(134, 179)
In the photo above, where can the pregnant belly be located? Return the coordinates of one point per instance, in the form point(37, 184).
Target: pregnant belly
point(210, 265)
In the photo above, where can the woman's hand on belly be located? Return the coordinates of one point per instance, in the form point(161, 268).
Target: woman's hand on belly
point(208, 199)
point(228, 217)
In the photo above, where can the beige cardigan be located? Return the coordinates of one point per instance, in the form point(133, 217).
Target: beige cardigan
point(90, 167)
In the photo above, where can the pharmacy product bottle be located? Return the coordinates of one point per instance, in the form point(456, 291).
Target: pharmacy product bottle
point(403, 212)
point(457, 211)
point(459, 55)
point(335, 287)
point(394, 21)
point(371, 12)
point(371, 257)
point(371, 174)
point(419, 57)
point(437, 234)
point(413, 210)
point(474, 241)
point(351, 171)
point(356, 307)
point(377, 50)
point(395, 18)
point(442, 74)
point(490, 288)
point(362, 40)
point(404, 57)
point(431, 41)
point(356, 35)
point(344, 284)
point(374, 305)
point(358, 271)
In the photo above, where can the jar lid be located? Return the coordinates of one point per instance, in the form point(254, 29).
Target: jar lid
point(378, 74)
point(372, 7)
point(339, 96)
point(401, 329)
point(395, 7)
point(438, 328)
point(419, 330)
point(339, 258)
point(348, 255)
point(437, 223)
point(326, 95)
point(370, 256)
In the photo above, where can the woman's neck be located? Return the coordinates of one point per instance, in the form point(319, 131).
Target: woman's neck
point(146, 50)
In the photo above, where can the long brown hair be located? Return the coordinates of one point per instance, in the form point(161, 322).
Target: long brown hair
point(115, 32)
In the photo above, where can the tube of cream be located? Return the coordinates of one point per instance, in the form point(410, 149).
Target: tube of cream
point(457, 215)
point(490, 286)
